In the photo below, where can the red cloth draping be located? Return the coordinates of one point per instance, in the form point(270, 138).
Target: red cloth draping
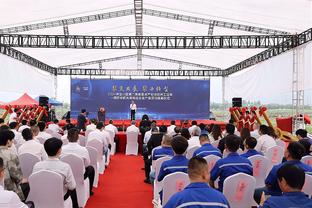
point(123, 142)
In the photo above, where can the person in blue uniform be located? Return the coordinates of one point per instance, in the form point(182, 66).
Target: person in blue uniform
point(198, 193)
point(291, 180)
point(230, 165)
point(206, 148)
point(179, 162)
point(250, 144)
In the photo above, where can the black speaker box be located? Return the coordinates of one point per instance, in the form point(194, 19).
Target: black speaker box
point(237, 102)
point(43, 101)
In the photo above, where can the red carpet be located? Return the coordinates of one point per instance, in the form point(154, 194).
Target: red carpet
point(122, 185)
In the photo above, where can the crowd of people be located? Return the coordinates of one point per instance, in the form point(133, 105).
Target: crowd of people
point(283, 183)
point(48, 142)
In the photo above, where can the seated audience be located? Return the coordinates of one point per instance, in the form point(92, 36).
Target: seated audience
point(264, 142)
point(148, 133)
point(229, 130)
point(32, 123)
point(74, 148)
point(111, 127)
point(271, 133)
point(42, 134)
point(194, 140)
point(206, 148)
point(194, 125)
point(13, 116)
point(198, 193)
point(23, 126)
point(307, 146)
point(250, 144)
point(290, 179)
point(53, 147)
point(55, 127)
point(255, 132)
point(203, 129)
point(165, 150)
point(32, 146)
point(101, 135)
point(132, 127)
point(179, 162)
point(18, 139)
point(303, 134)
point(185, 133)
point(177, 131)
point(8, 198)
point(13, 173)
point(244, 134)
point(156, 139)
point(170, 128)
point(293, 155)
point(230, 165)
point(92, 125)
point(216, 134)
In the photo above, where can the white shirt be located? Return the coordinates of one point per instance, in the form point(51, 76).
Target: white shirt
point(133, 106)
point(133, 128)
point(191, 129)
point(13, 117)
point(54, 127)
point(76, 149)
point(112, 128)
point(21, 128)
point(91, 127)
point(57, 166)
point(102, 136)
point(193, 141)
point(147, 136)
point(170, 130)
point(255, 134)
point(33, 147)
point(9, 199)
point(44, 135)
point(264, 142)
point(19, 140)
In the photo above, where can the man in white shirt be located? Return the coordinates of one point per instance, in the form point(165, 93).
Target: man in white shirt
point(55, 127)
point(101, 135)
point(92, 125)
point(53, 147)
point(133, 128)
point(8, 199)
point(264, 142)
point(170, 129)
point(18, 139)
point(44, 135)
point(111, 127)
point(133, 109)
point(74, 148)
point(23, 126)
point(13, 116)
point(32, 146)
point(194, 140)
point(194, 125)
point(255, 132)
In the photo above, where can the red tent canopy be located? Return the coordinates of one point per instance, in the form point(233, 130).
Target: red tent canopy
point(24, 100)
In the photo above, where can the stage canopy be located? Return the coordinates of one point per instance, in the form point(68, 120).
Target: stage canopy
point(24, 100)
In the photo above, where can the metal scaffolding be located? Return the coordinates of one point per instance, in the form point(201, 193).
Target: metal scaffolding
point(146, 42)
point(138, 10)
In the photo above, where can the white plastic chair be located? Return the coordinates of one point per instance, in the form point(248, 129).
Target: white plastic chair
point(260, 166)
point(113, 144)
point(190, 152)
point(158, 185)
point(211, 161)
point(46, 190)
point(93, 154)
point(307, 160)
point(275, 155)
point(27, 162)
point(239, 189)
point(172, 184)
point(281, 143)
point(101, 158)
point(132, 143)
point(82, 185)
point(82, 140)
point(153, 161)
point(307, 187)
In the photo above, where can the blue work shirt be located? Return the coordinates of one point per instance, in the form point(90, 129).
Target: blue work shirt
point(197, 195)
point(271, 179)
point(250, 153)
point(207, 149)
point(162, 152)
point(228, 166)
point(288, 200)
point(178, 163)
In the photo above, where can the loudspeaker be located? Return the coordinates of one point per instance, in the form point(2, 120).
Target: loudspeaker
point(237, 102)
point(43, 101)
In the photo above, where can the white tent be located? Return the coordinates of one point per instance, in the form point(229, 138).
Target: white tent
point(286, 15)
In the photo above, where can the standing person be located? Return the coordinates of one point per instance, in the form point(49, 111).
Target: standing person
point(81, 120)
point(101, 114)
point(13, 116)
point(133, 109)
